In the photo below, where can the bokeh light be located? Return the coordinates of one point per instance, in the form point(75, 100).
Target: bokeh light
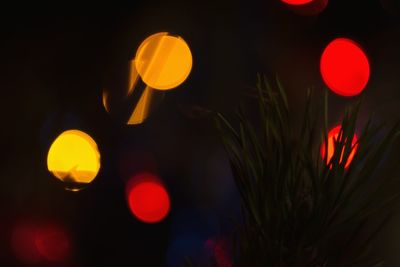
point(35, 243)
point(74, 159)
point(306, 7)
point(147, 198)
point(332, 136)
point(296, 2)
point(105, 100)
point(23, 244)
point(163, 61)
point(53, 244)
point(135, 101)
point(143, 108)
point(345, 67)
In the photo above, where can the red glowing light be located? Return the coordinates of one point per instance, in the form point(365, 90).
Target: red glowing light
point(297, 2)
point(332, 136)
point(35, 243)
point(52, 244)
point(148, 199)
point(345, 67)
point(23, 244)
point(306, 7)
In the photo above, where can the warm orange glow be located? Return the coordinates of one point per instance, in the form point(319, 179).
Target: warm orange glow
point(332, 136)
point(163, 61)
point(133, 77)
point(105, 101)
point(74, 159)
point(142, 109)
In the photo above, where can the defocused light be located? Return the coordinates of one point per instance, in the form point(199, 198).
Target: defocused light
point(105, 97)
point(332, 136)
point(147, 198)
point(133, 77)
point(23, 244)
point(142, 108)
point(297, 2)
point(37, 243)
point(136, 102)
point(345, 67)
point(163, 61)
point(53, 244)
point(306, 7)
point(74, 159)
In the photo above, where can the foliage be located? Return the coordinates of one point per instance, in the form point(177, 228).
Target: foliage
point(300, 209)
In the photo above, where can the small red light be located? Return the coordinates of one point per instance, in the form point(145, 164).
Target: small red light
point(148, 199)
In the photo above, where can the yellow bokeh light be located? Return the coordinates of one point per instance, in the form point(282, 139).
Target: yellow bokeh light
point(74, 159)
point(163, 61)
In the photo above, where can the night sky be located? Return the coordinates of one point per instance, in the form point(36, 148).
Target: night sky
point(55, 63)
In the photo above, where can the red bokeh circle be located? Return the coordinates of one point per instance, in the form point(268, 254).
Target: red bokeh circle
point(306, 7)
point(297, 2)
point(23, 244)
point(148, 199)
point(40, 243)
point(332, 136)
point(53, 244)
point(345, 67)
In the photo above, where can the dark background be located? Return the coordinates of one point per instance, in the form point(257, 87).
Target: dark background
point(55, 62)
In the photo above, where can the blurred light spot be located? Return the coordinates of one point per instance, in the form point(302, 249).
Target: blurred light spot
point(345, 67)
point(23, 244)
point(133, 77)
point(105, 97)
point(137, 101)
point(306, 7)
point(297, 2)
point(74, 159)
point(147, 198)
point(163, 61)
point(332, 136)
point(128, 89)
point(142, 109)
point(38, 243)
point(53, 244)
